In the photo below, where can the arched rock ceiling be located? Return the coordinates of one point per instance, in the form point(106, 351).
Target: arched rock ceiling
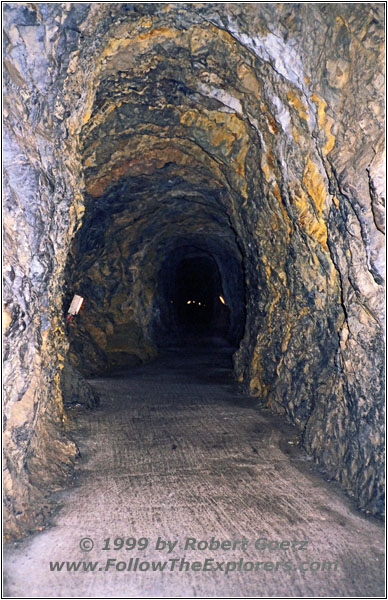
point(184, 127)
point(167, 116)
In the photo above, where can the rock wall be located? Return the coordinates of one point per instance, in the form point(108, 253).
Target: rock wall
point(253, 131)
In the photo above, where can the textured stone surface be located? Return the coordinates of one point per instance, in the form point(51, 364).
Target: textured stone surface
point(76, 391)
point(253, 132)
point(175, 451)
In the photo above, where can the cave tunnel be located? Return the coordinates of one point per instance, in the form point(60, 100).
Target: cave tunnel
point(191, 299)
point(195, 293)
point(196, 172)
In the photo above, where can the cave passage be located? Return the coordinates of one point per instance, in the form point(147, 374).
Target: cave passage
point(174, 452)
point(191, 299)
point(195, 292)
point(209, 178)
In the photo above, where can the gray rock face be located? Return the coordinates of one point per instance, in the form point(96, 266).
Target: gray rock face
point(249, 135)
point(77, 391)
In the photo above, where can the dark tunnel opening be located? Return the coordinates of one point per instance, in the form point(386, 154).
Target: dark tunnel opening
point(163, 270)
point(199, 295)
point(196, 288)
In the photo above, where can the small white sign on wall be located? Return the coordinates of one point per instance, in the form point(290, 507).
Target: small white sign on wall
point(75, 305)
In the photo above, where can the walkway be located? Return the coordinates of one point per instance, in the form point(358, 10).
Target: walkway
point(175, 454)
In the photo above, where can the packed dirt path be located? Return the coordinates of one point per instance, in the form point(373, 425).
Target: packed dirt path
point(175, 453)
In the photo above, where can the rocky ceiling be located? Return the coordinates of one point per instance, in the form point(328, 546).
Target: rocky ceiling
point(251, 133)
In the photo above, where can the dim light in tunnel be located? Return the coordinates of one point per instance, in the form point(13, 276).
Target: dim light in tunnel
point(222, 300)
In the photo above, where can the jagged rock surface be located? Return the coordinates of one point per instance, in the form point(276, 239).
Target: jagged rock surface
point(253, 132)
point(77, 391)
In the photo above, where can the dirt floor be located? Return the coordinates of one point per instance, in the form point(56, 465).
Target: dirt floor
point(186, 490)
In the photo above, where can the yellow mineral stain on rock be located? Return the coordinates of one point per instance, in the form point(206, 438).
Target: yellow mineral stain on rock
point(318, 230)
point(240, 160)
point(295, 134)
point(90, 161)
point(76, 210)
point(196, 37)
point(312, 223)
point(164, 32)
point(330, 138)
point(113, 46)
point(6, 318)
point(272, 125)
point(336, 201)
point(276, 191)
point(308, 221)
point(339, 21)
point(271, 160)
point(297, 103)
point(145, 22)
point(101, 115)
point(315, 186)
point(87, 116)
point(325, 122)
